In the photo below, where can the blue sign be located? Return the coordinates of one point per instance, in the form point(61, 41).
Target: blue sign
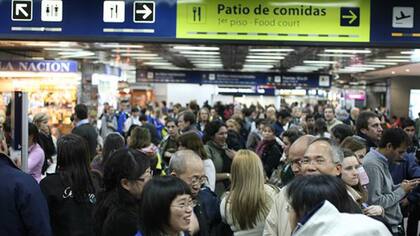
point(395, 22)
point(288, 80)
point(302, 80)
point(87, 19)
point(40, 66)
point(392, 22)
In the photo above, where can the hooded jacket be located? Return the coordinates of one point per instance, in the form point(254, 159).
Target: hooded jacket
point(328, 221)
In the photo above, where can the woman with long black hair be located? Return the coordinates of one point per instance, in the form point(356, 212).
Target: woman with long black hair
point(126, 172)
point(70, 193)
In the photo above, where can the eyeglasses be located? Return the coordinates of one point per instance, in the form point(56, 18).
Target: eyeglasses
point(184, 205)
point(297, 162)
point(199, 180)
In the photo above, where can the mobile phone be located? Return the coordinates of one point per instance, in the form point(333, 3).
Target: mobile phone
point(365, 205)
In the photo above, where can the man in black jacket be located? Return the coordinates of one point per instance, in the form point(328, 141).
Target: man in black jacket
point(24, 210)
point(368, 126)
point(85, 129)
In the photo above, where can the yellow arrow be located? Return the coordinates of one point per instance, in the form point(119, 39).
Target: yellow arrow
point(353, 17)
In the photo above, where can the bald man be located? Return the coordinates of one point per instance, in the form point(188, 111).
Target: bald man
point(277, 222)
point(188, 166)
point(297, 151)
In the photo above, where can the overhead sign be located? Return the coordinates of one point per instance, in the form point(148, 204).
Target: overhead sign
point(144, 12)
point(403, 17)
point(21, 10)
point(395, 22)
point(300, 80)
point(40, 66)
point(308, 20)
point(52, 10)
point(114, 11)
point(287, 80)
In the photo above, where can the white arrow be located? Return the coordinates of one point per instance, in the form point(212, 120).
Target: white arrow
point(146, 11)
point(20, 7)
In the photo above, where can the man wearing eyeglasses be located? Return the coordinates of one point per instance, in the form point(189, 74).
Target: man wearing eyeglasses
point(277, 222)
point(188, 166)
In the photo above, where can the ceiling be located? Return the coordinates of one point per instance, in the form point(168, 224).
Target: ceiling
point(345, 64)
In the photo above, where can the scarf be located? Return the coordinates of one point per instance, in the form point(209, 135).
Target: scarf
point(263, 145)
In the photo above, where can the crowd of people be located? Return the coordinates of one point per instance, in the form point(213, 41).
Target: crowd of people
point(215, 170)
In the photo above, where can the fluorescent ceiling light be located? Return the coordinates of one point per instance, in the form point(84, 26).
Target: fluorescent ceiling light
point(261, 60)
point(206, 62)
point(198, 52)
point(116, 45)
point(209, 65)
point(391, 60)
point(348, 51)
point(196, 48)
point(319, 62)
point(167, 68)
point(398, 57)
point(148, 58)
point(257, 66)
point(369, 65)
point(351, 70)
point(139, 55)
point(79, 54)
point(384, 63)
point(407, 52)
point(201, 56)
point(334, 55)
point(264, 57)
point(63, 49)
point(361, 68)
point(306, 67)
point(38, 58)
point(266, 54)
point(157, 63)
point(271, 49)
point(129, 51)
point(50, 44)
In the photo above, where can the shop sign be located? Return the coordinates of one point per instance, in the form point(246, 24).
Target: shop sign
point(306, 20)
point(40, 66)
point(356, 95)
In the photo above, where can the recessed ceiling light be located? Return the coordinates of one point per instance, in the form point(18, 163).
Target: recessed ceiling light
point(407, 70)
point(393, 72)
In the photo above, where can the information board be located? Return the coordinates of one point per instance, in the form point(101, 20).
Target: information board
point(307, 20)
point(287, 80)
